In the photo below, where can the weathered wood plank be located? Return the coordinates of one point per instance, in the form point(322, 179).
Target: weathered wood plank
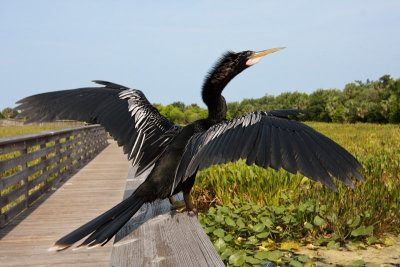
point(157, 236)
point(15, 210)
point(23, 158)
point(12, 195)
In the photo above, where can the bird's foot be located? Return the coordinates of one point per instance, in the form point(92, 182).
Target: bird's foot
point(193, 210)
point(178, 205)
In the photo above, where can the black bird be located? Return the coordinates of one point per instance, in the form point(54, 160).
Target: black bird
point(265, 138)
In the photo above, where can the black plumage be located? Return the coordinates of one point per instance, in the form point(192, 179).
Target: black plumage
point(264, 138)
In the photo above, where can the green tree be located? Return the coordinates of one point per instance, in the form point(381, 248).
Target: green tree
point(177, 116)
point(394, 115)
point(337, 115)
point(9, 113)
point(316, 109)
point(179, 104)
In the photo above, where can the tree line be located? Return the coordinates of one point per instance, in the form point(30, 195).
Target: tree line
point(370, 101)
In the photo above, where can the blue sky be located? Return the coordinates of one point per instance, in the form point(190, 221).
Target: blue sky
point(165, 48)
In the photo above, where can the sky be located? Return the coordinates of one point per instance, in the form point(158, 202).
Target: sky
point(165, 48)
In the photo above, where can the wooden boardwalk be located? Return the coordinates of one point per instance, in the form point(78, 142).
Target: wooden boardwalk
point(91, 191)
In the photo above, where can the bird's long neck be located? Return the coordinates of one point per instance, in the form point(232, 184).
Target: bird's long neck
point(222, 73)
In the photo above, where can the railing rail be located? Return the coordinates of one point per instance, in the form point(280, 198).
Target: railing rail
point(32, 164)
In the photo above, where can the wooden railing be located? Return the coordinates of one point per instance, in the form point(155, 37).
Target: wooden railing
point(32, 164)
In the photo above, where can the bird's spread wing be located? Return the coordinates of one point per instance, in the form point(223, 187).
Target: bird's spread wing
point(125, 113)
point(269, 139)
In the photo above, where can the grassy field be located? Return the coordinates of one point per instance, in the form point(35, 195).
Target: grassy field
point(18, 130)
point(267, 210)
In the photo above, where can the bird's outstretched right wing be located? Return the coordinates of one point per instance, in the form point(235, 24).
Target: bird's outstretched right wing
point(270, 139)
point(125, 113)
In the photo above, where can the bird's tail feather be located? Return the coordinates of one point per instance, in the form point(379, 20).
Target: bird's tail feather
point(103, 227)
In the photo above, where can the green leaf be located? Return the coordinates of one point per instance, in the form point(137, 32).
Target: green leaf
point(220, 245)
point(295, 263)
point(228, 237)
point(262, 255)
point(252, 260)
point(270, 255)
point(303, 258)
point(219, 232)
point(318, 221)
point(240, 223)
point(289, 219)
point(357, 263)
point(230, 222)
point(263, 235)
point(209, 229)
point(267, 221)
point(258, 227)
point(354, 222)
point(372, 240)
point(252, 240)
point(224, 209)
point(274, 255)
point(362, 230)
point(238, 258)
point(227, 252)
point(219, 219)
point(279, 210)
point(211, 210)
point(308, 225)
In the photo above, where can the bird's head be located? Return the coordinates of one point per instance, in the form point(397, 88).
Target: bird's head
point(231, 64)
point(226, 68)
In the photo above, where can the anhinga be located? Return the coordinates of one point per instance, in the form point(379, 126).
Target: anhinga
point(265, 138)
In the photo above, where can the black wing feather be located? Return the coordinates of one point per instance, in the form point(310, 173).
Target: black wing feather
point(125, 113)
point(270, 139)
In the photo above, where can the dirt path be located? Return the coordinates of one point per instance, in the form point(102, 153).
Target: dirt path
point(386, 256)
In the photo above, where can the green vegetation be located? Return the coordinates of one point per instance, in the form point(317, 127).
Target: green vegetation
point(276, 211)
point(18, 130)
point(370, 101)
point(8, 113)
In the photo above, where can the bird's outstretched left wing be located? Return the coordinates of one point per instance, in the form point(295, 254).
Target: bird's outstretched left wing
point(269, 139)
point(125, 113)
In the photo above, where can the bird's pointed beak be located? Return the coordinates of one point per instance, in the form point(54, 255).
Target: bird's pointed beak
point(256, 56)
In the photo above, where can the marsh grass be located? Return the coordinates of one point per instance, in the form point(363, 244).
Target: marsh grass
point(335, 219)
point(18, 130)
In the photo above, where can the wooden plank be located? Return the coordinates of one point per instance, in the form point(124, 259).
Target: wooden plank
point(157, 236)
point(15, 210)
point(15, 178)
point(23, 158)
point(12, 195)
point(94, 189)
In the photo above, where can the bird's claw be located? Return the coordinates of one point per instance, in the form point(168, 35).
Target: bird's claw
point(177, 205)
point(194, 210)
